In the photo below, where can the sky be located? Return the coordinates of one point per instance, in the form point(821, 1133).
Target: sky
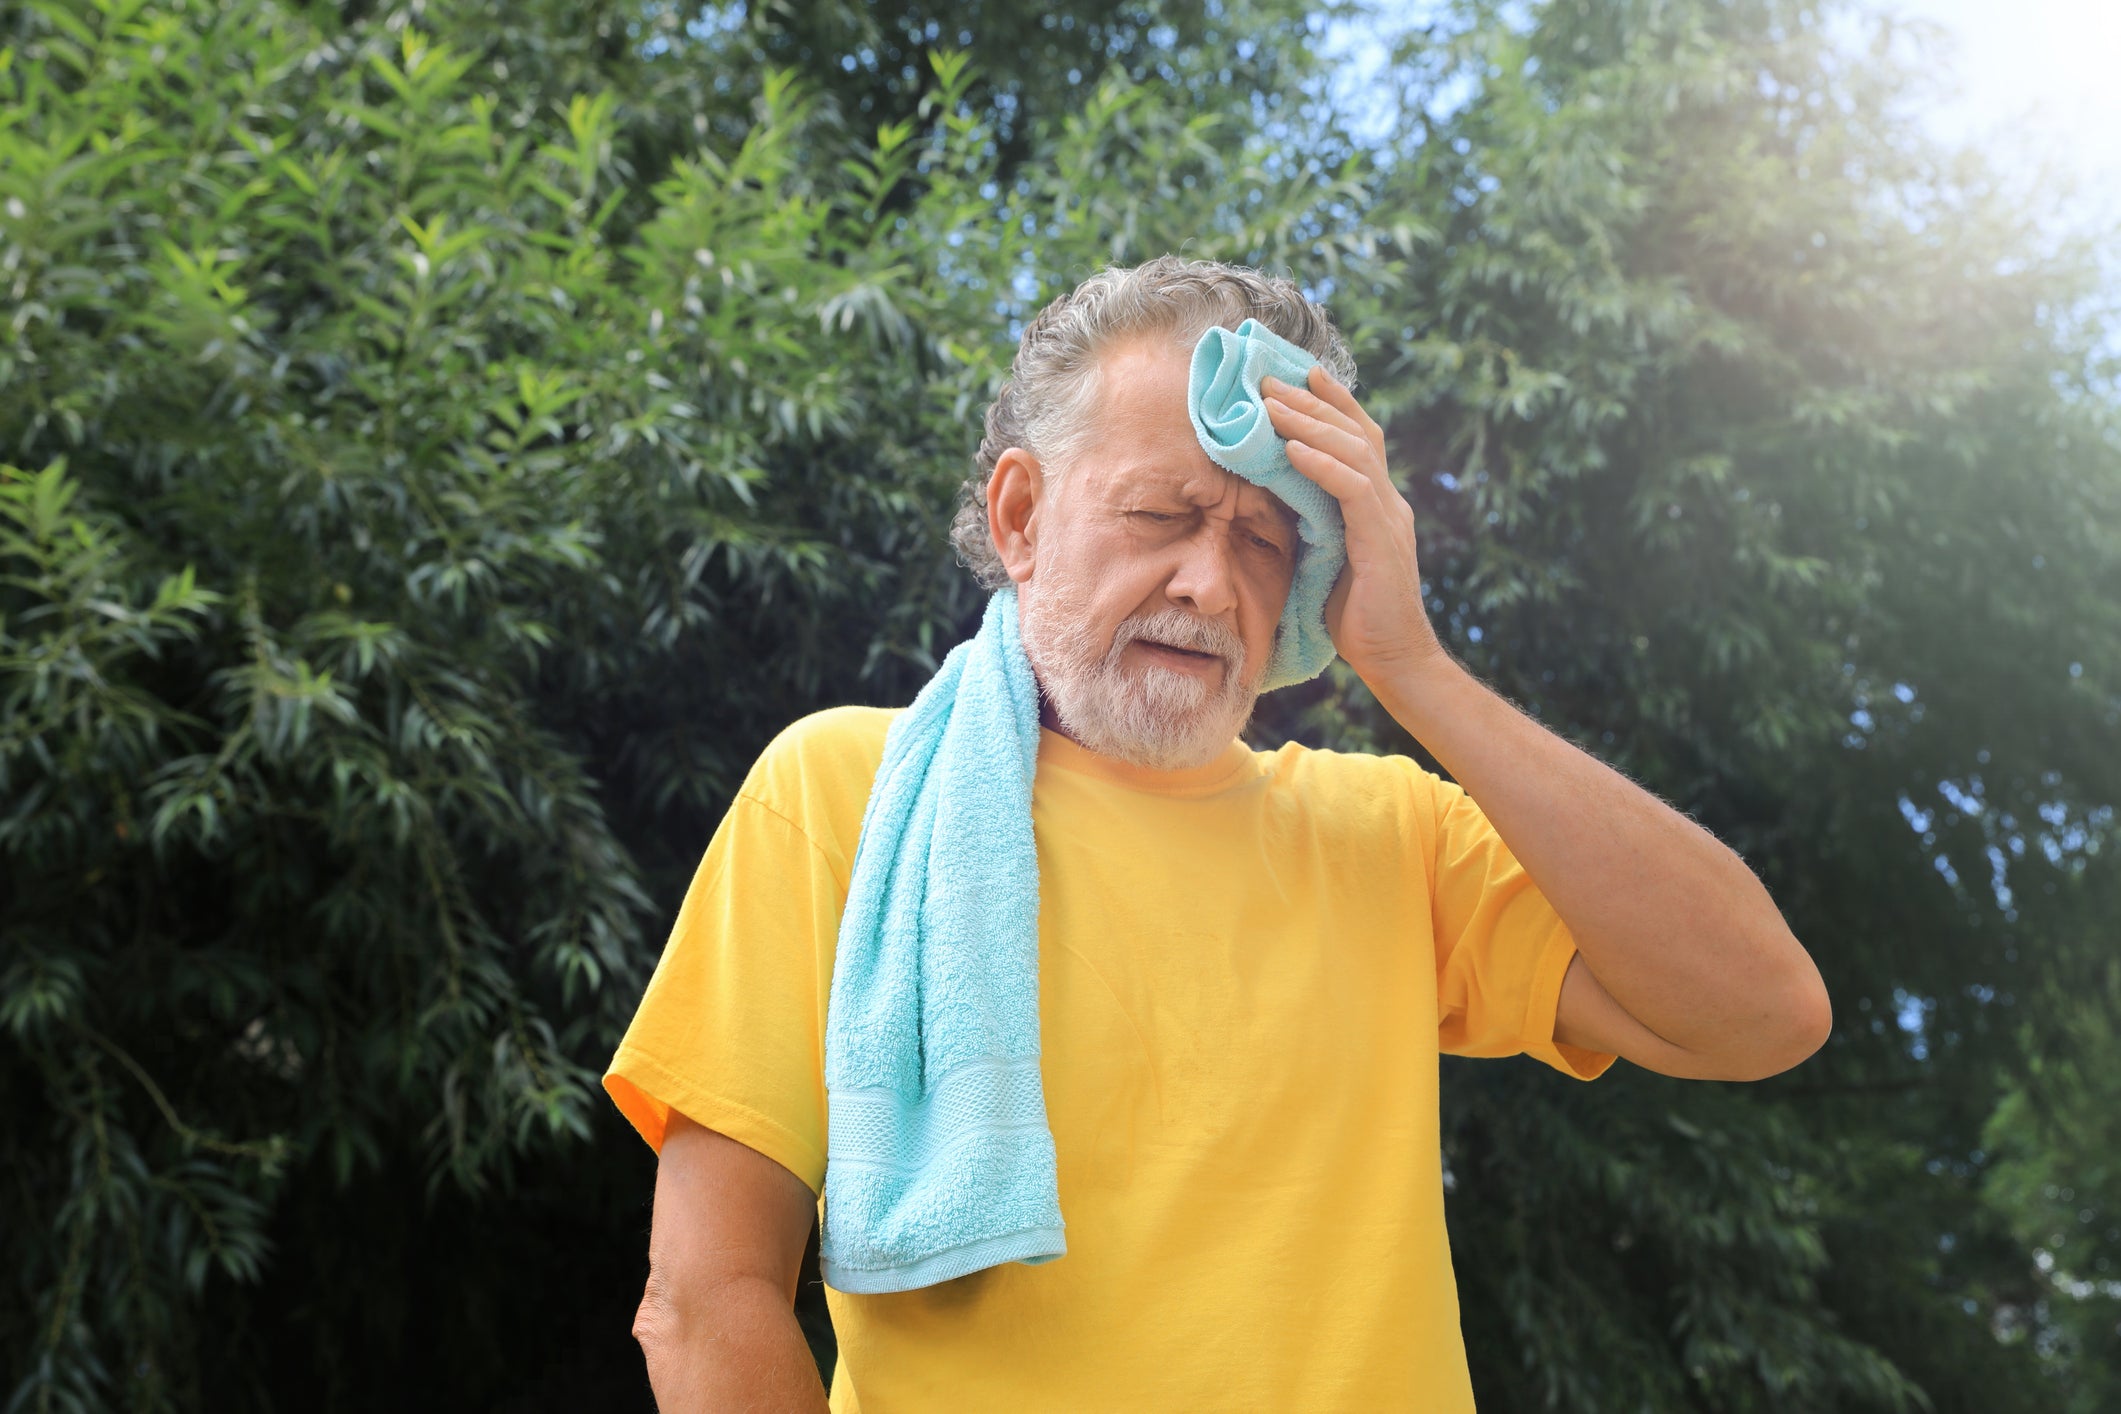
point(2036, 79)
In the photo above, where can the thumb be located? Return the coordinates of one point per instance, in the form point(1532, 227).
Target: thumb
point(1337, 600)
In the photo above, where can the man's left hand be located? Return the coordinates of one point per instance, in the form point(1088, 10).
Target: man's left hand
point(1375, 612)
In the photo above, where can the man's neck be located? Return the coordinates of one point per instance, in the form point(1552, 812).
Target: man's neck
point(1050, 719)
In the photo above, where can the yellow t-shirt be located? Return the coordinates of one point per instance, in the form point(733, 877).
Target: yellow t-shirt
point(1238, 966)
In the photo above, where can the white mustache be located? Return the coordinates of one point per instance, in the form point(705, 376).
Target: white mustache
point(1175, 628)
point(1161, 718)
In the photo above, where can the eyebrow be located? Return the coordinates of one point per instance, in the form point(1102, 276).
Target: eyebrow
point(1286, 514)
point(1280, 515)
point(1155, 480)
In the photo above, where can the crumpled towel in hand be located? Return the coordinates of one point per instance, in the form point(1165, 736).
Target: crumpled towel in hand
point(1233, 427)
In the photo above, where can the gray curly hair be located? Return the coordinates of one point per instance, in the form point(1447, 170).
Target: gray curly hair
point(1045, 404)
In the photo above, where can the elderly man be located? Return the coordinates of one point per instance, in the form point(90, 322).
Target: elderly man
point(1239, 953)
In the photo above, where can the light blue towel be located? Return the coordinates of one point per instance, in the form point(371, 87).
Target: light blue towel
point(1232, 424)
point(939, 1160)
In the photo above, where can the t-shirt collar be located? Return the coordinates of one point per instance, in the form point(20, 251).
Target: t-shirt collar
point(1232, 764)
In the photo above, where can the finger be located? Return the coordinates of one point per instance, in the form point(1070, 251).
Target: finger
point(1373, 531)
point(1340, 395)
point(1276, 390)
point(1365, 445)
point(1361, 512)
point(1327, 436)
point(1341, 444)
point(1326, 396)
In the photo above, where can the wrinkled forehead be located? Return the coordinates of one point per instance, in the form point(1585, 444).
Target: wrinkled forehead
point(1144, 443)
point(1188, 477)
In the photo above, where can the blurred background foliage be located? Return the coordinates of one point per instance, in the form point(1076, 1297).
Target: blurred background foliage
point(444, 441)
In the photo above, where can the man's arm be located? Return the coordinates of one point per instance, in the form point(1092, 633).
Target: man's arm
point(1685, 963)
point(717, 1321)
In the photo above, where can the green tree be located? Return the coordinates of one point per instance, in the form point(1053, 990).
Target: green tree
point(2055, 1172)
point(1757, 449)
point(424, 508)
point(446, 444)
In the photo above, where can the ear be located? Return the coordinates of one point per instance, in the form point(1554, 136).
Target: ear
point(1015, 493)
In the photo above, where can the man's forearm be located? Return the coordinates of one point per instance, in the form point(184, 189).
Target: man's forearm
point(1668, 919)
point(745, 1352)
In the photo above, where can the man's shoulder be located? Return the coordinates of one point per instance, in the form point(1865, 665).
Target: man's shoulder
point(818, 769)
point(1356, 789)
point(1323, 769)
point(834, 735)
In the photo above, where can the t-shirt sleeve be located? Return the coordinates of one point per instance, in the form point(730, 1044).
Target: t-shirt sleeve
point(730, 1032)
point(1501, 949)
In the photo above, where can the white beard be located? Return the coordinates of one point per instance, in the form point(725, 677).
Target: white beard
point(1156, 716)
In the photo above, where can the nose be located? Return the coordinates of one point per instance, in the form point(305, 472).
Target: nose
point(1206, 578)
